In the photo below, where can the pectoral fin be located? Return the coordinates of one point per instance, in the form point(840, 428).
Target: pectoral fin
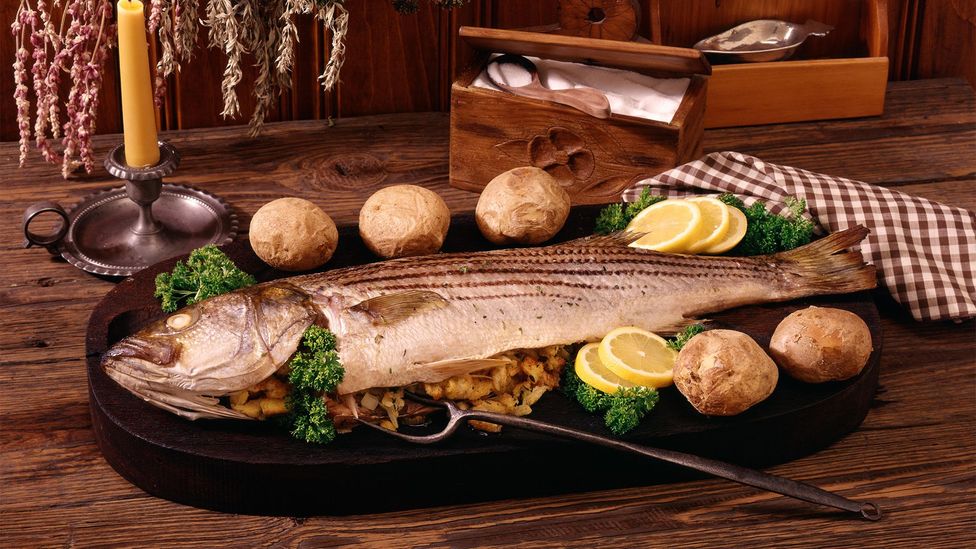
point(444, 369)
point(679, 326)
point(392, 308)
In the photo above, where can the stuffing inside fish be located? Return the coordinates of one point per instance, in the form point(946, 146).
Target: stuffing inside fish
point(427, 319)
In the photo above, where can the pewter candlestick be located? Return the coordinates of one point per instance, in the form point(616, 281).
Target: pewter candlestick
point(123, 230)
point(144, 185)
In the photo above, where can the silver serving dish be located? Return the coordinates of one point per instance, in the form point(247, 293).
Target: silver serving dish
point(760, 40)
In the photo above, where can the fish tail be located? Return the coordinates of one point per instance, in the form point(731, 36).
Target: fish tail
point(829, 267)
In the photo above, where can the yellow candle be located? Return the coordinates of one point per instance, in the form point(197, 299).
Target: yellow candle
point(138, 112)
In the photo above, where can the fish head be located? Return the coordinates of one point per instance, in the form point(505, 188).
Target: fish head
point(187, 360)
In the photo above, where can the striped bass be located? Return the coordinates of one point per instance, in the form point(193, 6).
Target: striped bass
point(426, 319)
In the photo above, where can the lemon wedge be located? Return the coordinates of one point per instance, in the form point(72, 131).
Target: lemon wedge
point(670, 225)
point(591, 370)
point(716, 219)
point(737, 229)
point(638, 356)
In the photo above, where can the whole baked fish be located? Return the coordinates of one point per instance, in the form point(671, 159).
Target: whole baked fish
point(425, 319)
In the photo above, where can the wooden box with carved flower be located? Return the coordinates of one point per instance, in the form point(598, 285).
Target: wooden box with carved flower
point(594, 159)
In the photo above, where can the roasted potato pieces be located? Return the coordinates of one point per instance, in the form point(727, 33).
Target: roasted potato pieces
point(511, 388)
point(264, 400)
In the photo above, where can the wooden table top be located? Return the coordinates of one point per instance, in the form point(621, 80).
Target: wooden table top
point(915, 454)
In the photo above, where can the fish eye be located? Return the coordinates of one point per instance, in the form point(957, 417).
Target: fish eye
point(180, 321)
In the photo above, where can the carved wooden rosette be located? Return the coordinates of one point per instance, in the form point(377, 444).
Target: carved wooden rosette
point(595, 160)
point(606, 19)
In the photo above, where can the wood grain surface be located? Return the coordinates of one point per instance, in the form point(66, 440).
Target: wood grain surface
point(915, 453)
point(406, 63)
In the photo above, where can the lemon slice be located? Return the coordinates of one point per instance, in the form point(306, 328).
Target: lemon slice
point(715, 223)
point(670, 225)
point(737, 229)
point(638, 356)
point(591, 370)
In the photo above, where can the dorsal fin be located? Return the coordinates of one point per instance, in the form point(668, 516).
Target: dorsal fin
point(392, 308)
point(615, 239)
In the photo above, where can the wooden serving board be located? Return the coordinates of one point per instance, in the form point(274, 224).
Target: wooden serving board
point(250, 467)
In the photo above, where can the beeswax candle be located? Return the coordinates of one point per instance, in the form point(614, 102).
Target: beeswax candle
point(138, 113)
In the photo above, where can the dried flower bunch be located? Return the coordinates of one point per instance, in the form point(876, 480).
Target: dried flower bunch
point(77, 43)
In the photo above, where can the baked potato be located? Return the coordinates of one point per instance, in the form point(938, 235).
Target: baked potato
point(404, 220)
point(522, 206)
point(293, 234)
point(819, 344)
point(724, 372)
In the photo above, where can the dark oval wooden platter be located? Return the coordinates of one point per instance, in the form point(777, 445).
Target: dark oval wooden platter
point(250, 467)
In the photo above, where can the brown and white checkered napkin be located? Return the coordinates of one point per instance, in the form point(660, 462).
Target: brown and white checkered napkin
point(925, 252)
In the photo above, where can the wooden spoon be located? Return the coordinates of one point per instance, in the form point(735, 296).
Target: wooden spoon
point(592, 102)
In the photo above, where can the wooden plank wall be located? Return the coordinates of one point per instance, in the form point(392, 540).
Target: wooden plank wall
point(398, 63)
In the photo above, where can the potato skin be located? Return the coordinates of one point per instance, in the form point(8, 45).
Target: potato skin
point(293, 234)
point(404, 220)
point(724, 372)
point(820, 344)
point(522, 206)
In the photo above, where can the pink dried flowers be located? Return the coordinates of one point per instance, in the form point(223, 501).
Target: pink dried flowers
point(77, 44)
point(79, 41)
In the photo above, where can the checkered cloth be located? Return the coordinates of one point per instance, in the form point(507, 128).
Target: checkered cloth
point(925, 252)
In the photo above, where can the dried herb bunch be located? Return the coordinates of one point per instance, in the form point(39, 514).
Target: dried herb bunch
point(76, 43)
point(265, 29)
point(75, 38)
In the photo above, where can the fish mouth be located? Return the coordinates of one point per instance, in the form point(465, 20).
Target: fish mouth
point(139, 359)
point(155, 354)
point(138, 375)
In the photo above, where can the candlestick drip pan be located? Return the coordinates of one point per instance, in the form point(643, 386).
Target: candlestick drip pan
point(101, 240)
point(119, 231)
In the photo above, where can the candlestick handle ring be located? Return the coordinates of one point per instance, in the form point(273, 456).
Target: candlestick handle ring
point(51, 240)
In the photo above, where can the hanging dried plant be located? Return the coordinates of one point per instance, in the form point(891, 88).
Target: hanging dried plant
point(79, 44)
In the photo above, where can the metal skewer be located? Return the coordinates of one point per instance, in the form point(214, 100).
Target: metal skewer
point(735, 473)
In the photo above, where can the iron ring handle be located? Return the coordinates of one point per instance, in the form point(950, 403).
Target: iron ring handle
point(50, 240)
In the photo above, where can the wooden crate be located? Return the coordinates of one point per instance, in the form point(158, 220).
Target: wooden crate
point(594, 159)
point(842, 75)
